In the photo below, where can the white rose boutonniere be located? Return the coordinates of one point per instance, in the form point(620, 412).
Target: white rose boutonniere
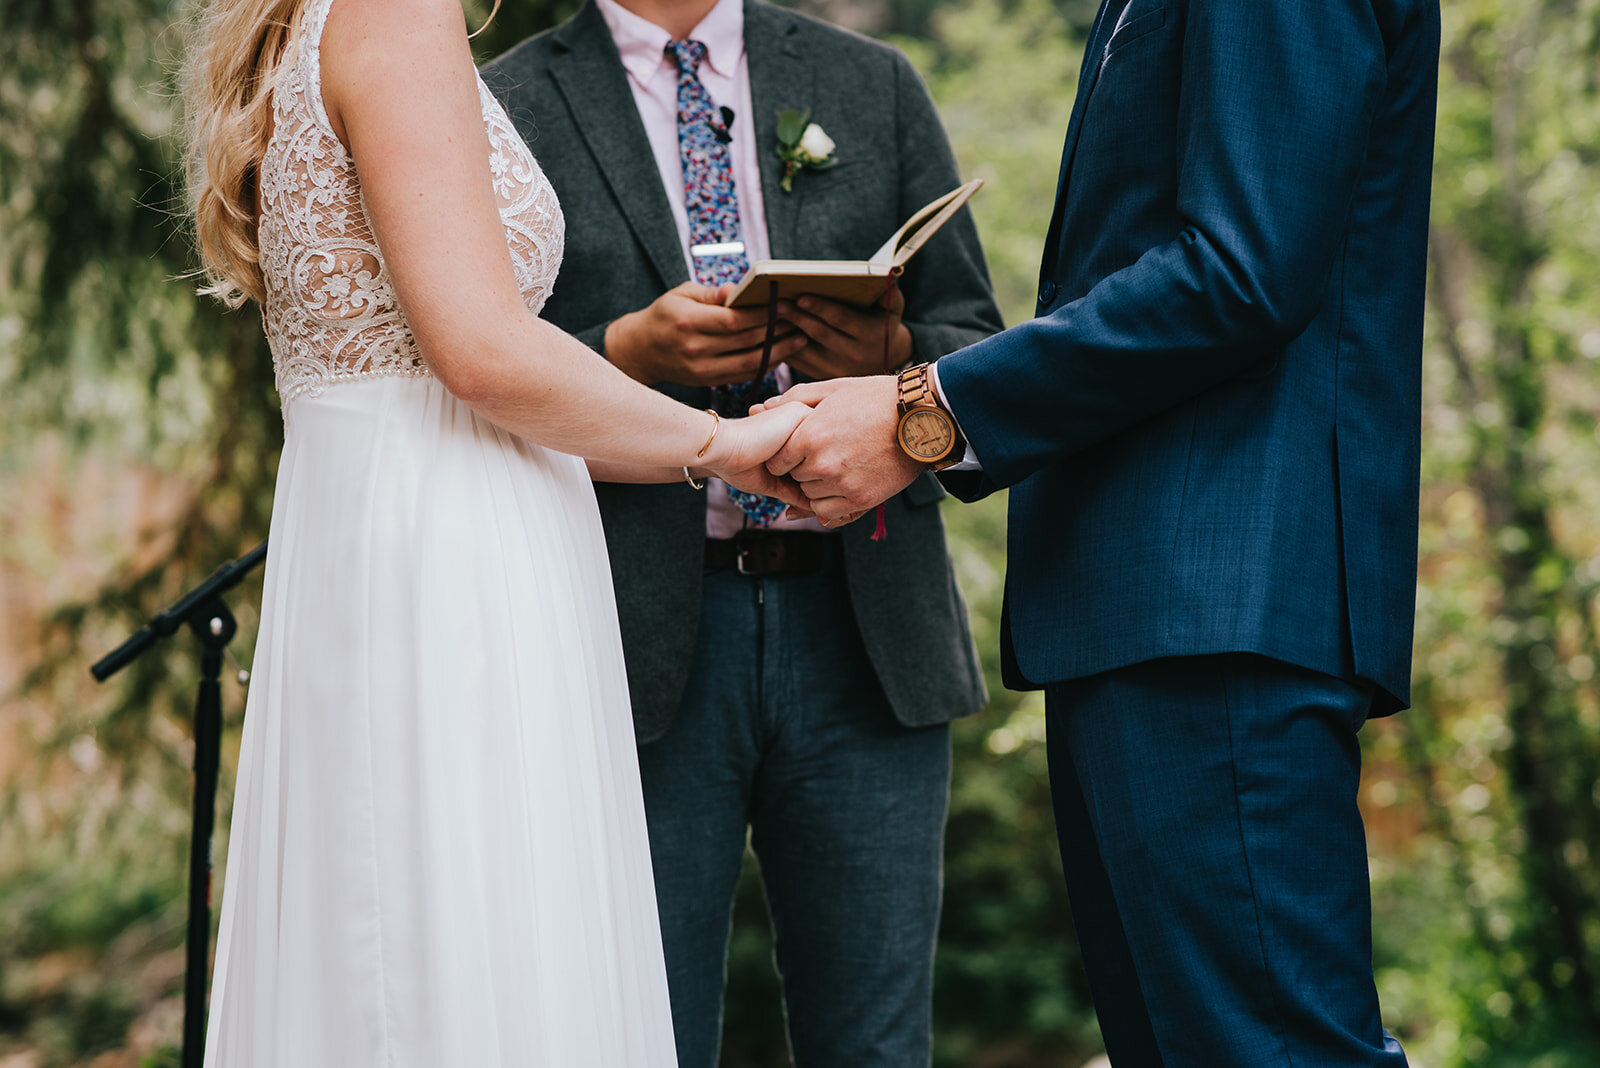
point(802, 145)
point(816, 145)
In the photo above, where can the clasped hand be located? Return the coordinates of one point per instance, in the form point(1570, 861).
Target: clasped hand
point(843, 456)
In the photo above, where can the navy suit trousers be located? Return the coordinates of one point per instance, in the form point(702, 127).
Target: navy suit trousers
point(1216, 860)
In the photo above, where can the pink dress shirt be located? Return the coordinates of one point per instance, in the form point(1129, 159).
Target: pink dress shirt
point(653, 78)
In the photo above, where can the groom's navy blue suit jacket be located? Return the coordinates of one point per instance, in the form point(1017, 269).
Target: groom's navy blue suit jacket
point(1211, 428)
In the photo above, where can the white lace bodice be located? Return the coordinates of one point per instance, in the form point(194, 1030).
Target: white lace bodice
point(330, 311)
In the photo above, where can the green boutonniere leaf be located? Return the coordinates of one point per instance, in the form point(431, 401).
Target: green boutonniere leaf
point(792, 125)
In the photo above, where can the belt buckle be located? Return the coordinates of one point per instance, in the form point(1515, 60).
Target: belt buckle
point(741, 552)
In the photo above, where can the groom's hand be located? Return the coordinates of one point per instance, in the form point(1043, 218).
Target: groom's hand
point(740, 451)
point(686, 336)
point(845, 456)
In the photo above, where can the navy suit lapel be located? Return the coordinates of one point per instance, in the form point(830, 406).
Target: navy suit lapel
point(780, 78)
point(592, 81)
point(1105, 24)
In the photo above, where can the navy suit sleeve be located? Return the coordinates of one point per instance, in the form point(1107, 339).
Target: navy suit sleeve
point(1275, 103)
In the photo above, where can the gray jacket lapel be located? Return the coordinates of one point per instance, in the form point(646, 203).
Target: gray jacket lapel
point(592, 81)
point(780, 78)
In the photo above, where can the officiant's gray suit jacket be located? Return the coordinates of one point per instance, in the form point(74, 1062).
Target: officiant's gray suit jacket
point(568, 94)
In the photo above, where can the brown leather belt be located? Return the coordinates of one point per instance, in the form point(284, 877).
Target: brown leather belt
point(772, 552)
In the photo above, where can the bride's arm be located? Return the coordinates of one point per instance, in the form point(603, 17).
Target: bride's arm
point(401, 92)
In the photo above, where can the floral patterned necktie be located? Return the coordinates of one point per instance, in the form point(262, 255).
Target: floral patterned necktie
point(712, 203)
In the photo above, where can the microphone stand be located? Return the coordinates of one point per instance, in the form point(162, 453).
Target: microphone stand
point(208, 617)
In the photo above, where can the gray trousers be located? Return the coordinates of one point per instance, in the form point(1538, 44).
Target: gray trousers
point(785, 731)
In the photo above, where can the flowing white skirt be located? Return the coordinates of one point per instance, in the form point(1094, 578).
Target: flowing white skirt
point(438, 853)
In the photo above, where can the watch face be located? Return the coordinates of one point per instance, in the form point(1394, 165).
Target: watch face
point(926, 434)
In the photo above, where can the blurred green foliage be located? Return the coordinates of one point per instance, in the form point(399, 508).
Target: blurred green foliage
point(1483, 802)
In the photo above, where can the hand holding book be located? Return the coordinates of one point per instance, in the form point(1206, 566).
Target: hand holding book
point(846, 341)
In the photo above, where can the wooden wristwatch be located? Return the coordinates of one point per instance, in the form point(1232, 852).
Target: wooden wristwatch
point(928, 432)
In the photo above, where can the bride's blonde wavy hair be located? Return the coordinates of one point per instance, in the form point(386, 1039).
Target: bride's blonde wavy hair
point(227, 99)
point(227, 103)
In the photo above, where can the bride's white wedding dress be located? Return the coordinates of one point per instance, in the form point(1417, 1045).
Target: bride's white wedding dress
point(438, 853)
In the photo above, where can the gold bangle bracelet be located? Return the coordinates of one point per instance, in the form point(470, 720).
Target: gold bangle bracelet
point(689, 478)
point(716, 421)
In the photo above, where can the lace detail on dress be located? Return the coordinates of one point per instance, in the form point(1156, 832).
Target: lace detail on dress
point(330, 312)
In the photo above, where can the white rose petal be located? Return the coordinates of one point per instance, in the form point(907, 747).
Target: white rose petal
point(816, 145)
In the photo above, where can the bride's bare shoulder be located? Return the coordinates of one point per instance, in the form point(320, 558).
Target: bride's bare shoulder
point(372, 47)
point(394, 21)
point(356, 27)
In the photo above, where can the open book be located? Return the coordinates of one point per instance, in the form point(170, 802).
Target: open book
point(858, 282)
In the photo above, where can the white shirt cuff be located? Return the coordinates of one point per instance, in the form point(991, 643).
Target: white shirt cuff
point(969, 461)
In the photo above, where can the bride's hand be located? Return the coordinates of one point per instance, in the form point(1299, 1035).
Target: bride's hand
point(742, 447)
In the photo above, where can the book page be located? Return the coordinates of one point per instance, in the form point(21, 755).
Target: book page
point(904, 242)
point(861, 283)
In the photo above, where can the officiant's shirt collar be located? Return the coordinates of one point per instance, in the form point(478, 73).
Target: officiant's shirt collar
point(642, 43)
